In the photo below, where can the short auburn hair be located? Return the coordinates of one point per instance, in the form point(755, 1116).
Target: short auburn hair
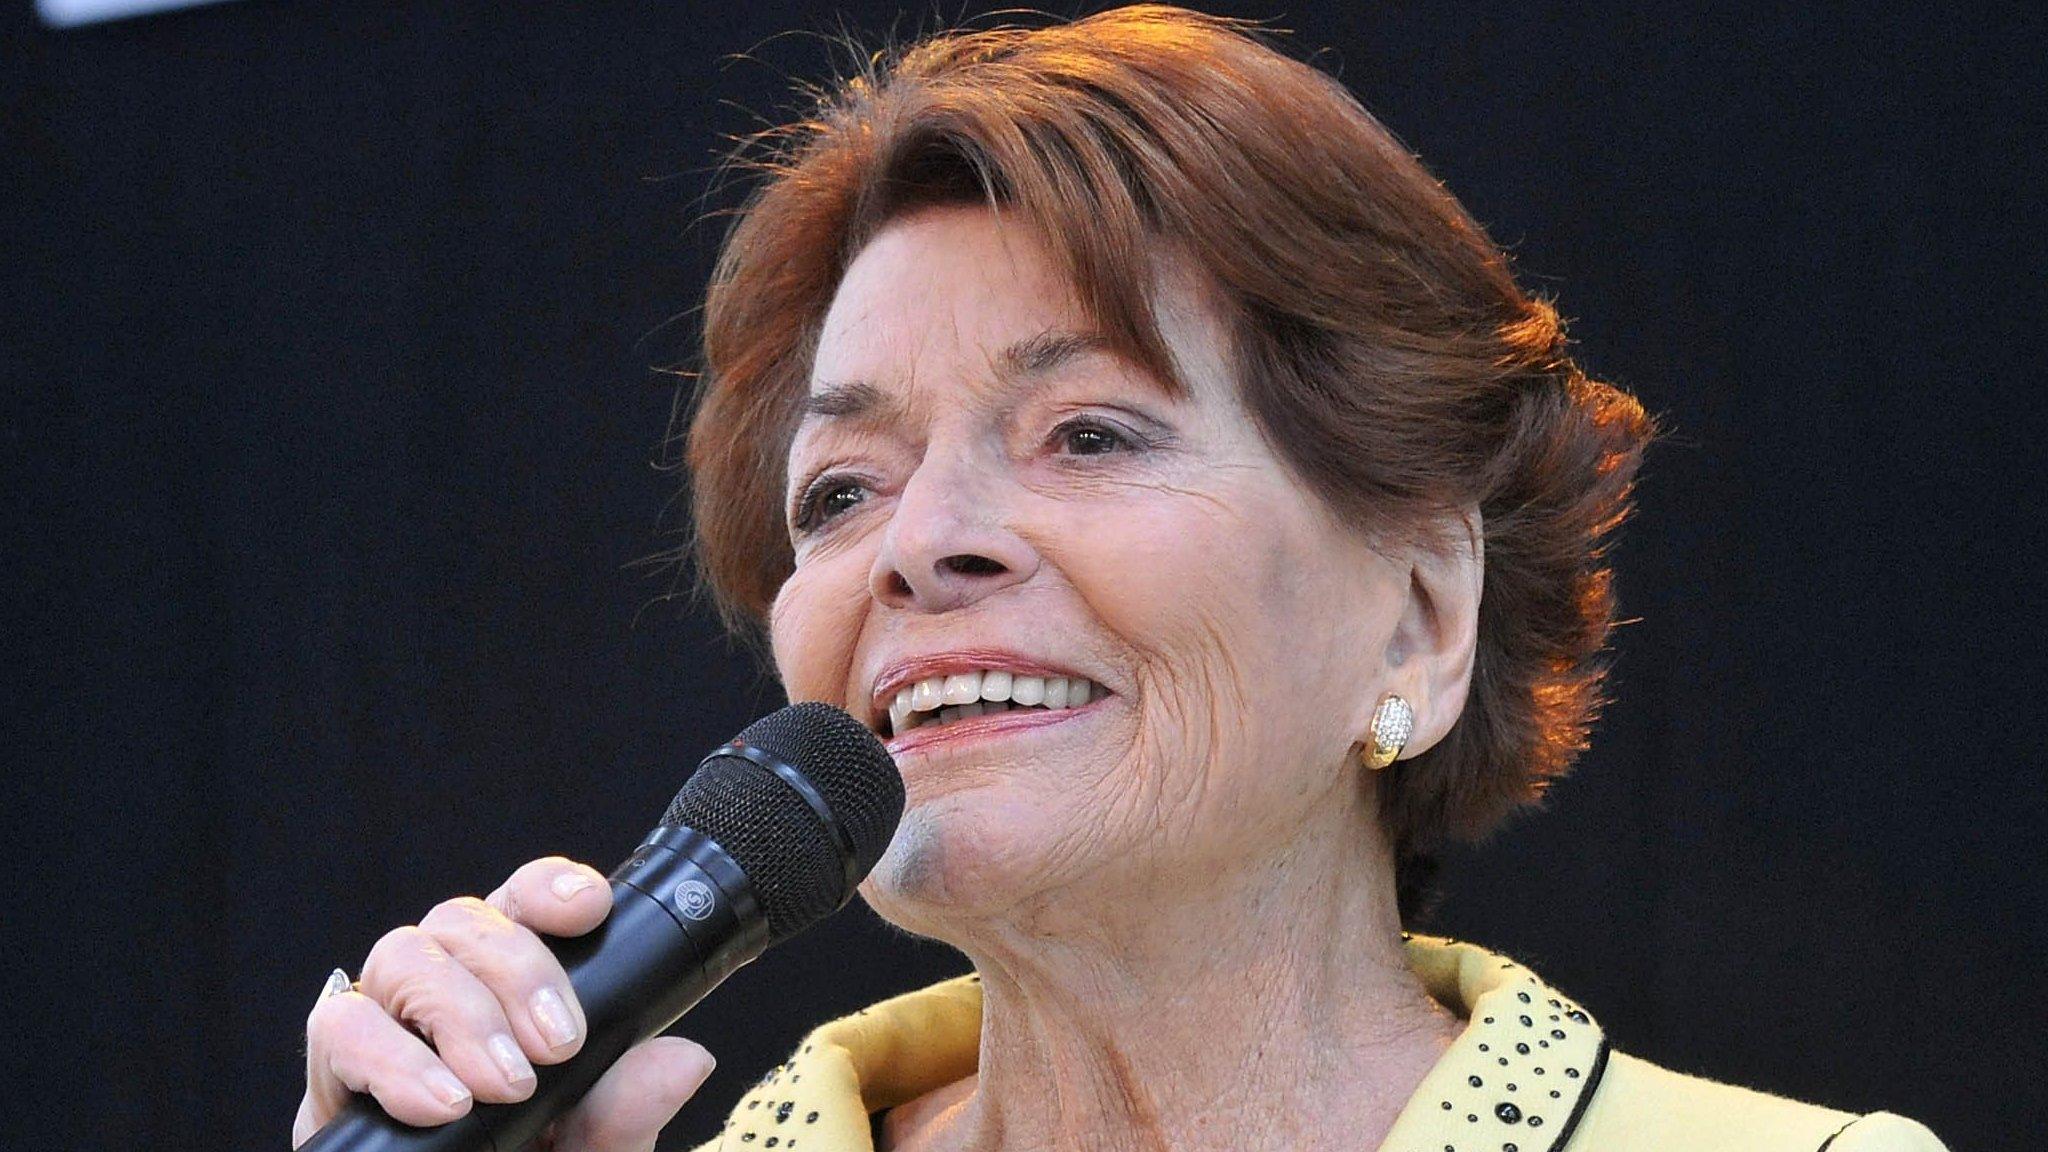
point(1380, 340)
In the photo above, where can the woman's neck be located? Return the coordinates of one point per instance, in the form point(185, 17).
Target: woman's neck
point(1266, 1005)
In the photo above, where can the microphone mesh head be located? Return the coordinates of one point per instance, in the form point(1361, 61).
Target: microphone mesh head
point(773, 834)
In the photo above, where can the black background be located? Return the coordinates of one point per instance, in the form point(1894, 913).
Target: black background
point(329, 413)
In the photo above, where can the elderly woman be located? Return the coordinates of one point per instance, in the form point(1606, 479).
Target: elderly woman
point(1125, 425)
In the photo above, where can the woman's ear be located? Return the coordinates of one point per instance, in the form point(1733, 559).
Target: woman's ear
point(1429, 656)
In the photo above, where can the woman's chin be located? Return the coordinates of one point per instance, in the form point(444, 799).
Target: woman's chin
point(951, 864)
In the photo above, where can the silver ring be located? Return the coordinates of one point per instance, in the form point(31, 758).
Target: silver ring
point(337, 983)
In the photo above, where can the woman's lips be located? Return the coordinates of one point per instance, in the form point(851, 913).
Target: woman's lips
point(979, 729)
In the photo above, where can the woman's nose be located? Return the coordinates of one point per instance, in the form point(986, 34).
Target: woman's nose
point(949, 542)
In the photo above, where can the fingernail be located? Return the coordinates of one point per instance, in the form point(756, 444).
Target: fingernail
point(553, 1017)
point(511, 1061)
point(445, 1087)
point(568, 884)
point(699, 1051)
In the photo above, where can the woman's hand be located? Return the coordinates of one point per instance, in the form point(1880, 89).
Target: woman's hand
point(461, 1006)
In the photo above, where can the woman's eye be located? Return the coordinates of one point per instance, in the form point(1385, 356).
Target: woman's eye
point(1090, 438)
point(827, 498)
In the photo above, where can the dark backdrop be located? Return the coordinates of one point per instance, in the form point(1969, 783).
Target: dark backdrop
point(327, 431)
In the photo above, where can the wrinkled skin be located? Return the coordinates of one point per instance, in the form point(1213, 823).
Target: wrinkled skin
point(1245, 633)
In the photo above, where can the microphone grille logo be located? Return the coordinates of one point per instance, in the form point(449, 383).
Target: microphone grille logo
point(694, 899)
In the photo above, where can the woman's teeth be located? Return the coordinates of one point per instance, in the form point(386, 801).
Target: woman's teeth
point(943, 699)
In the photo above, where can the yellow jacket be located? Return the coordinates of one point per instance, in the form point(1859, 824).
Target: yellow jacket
point(1532, 1072)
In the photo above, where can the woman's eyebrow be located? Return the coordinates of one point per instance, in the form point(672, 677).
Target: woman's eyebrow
point(1033, 356)
point(856, 398)
point(1048, 352)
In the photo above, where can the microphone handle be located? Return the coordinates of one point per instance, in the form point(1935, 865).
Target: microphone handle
point(683, 918)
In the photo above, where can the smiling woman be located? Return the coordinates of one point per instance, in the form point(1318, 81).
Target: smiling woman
point(1158, 457)
point(1356, 320)
point(1081, 524)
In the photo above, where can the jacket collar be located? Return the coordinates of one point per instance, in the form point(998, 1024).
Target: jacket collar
point(1517, 1079)
point(1521, 1073)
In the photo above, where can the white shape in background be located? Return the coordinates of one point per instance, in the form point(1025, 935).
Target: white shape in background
point(72, 13)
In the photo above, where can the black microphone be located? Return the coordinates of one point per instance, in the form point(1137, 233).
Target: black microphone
point(771, 833)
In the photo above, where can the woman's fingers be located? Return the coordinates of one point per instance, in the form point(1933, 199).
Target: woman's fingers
point(630, 1103)
point(555, 897)
point(418, 982)
point(529, 984)
point(486, 996)
point(353, 1045)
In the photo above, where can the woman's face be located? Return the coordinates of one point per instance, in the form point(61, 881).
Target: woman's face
point(980, 487)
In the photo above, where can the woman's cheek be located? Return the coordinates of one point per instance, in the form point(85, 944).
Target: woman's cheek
point(812, 629)
point(1191, 660)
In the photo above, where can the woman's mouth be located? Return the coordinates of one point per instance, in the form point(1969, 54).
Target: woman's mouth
point(987, 703)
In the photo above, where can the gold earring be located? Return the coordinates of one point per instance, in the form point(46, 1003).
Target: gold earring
point(1392, 723)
